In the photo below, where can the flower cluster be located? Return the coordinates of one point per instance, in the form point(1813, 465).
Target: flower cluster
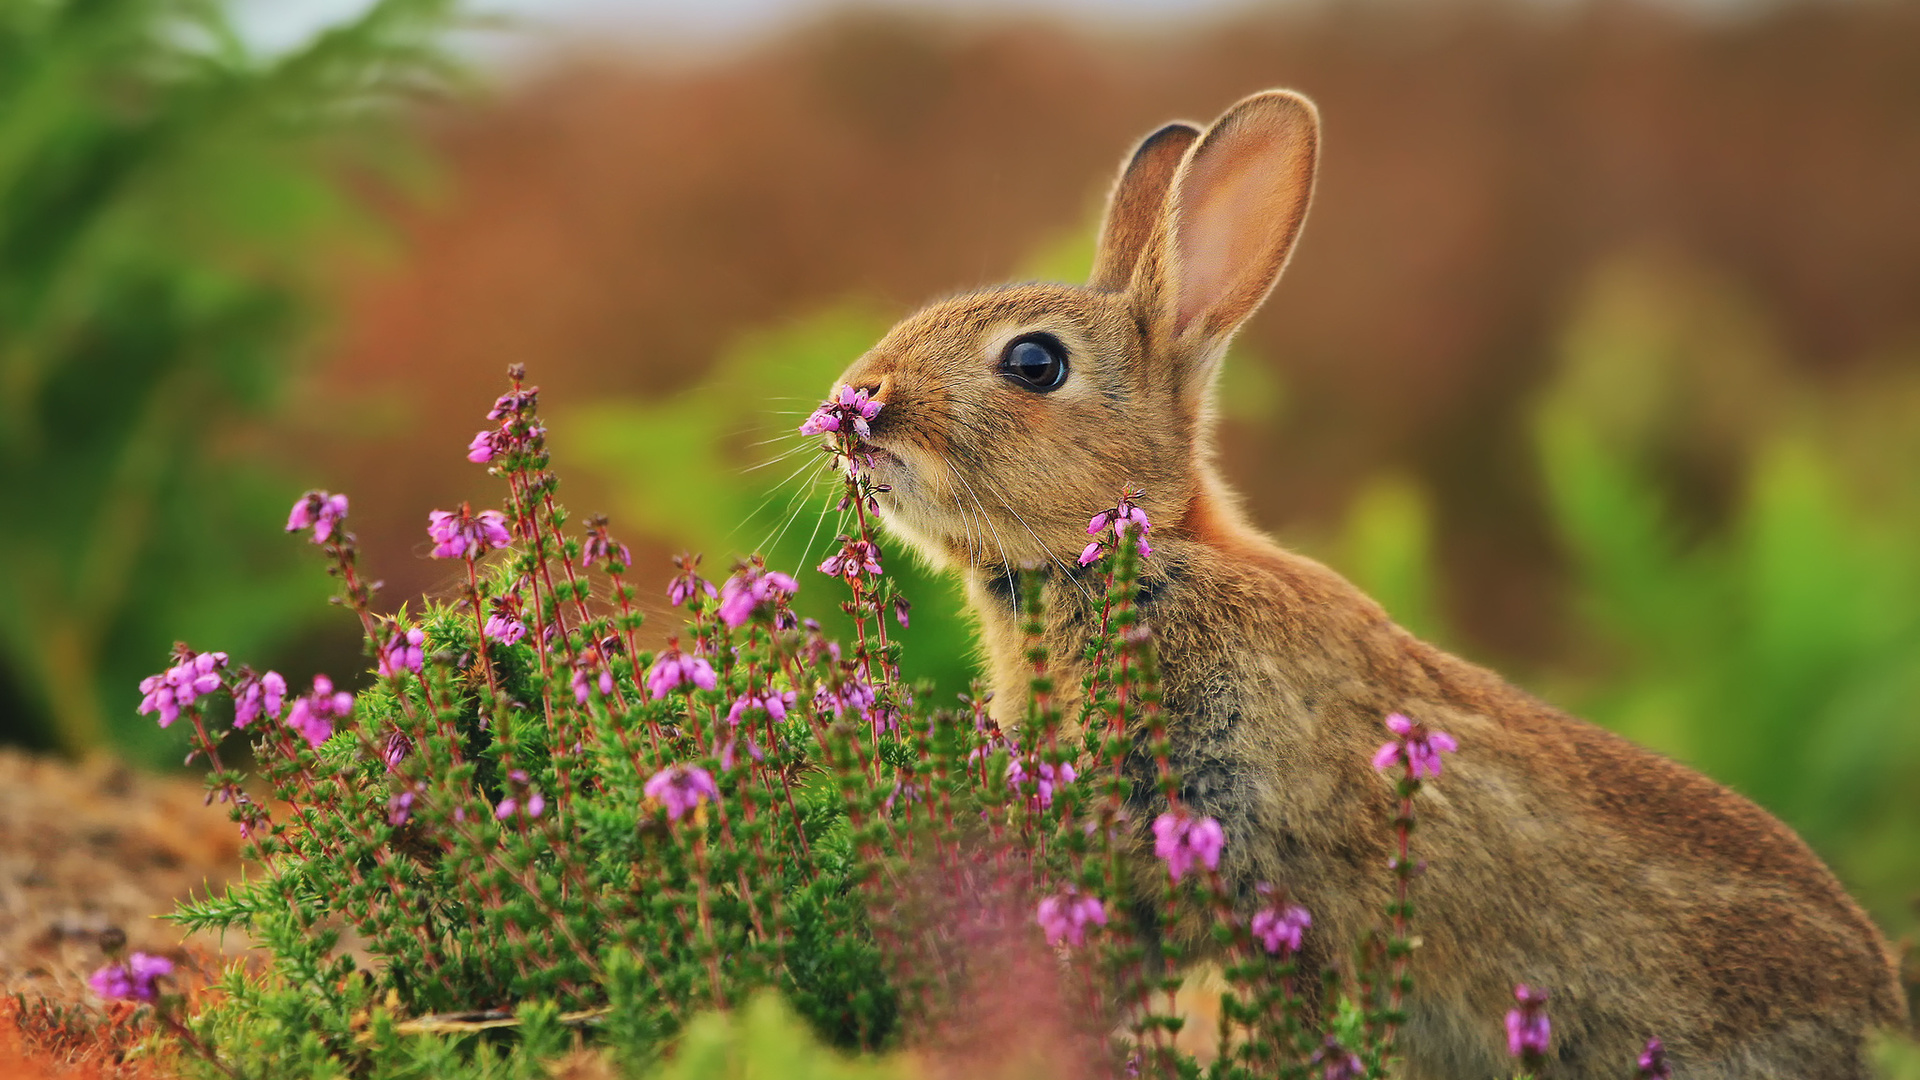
point(256, 697)
point(1279, 926)
point(849, 410)
point(517, 429)
point(673, 669)
point(466, 535)
point(1065, 918)
point(403, 652)
point(1417, 746)
point(753, 588)
point(1653, 1062)
point(1123, 520)
point(1183, 841)
point(177, 688)
point(854, 558)
point(132, 981)
point(681, 788)
point(313, 713)
point(1044, 777)
point(601, 549)
point(503, 621)
point(319, 511)
point(1528, 1030)
point(688, 583)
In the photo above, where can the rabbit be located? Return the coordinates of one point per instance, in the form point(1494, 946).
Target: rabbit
point(1650, 900)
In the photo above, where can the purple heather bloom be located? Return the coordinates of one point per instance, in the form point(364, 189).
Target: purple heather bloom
point(845, 408)
point(585, 679)
point(1336, 1062)
point(399, 808)
point(1653, 1062)
point(132, 980)
point(263, 695)
point(689, 584)
point(753, 586)
point(177, 688)
point(1182, 840)
point(536, 804)
point(506, 808)
point(674, 668)
point(396, 750)
point(1418, 746)
point(680, 788)
point(483, 448)
point(402, 652)
point(1065, 918)
point(854, 558)
point(728, 752)
point(1280, 925)
point(1045, 775)
point(313, 713)
point(900, 609)
point(1528, 1030)
point(852, 693)
point(466, 535)
point(320, 510)
point(1091, 552)
point(775, 704)
point(505, 629)
point(514, 402)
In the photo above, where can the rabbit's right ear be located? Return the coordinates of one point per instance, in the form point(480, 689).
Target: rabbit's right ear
point(1137, 204)
point(1232, 215)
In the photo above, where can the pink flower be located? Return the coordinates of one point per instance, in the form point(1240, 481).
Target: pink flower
point(852, 694)
point(1125, 517)
point(396, 750)
point(1091, 552)
point(1653, 1062)
point(1528, 1030)
point(1336, 1062)
point(482, 449)
point(403, 652)
point(177, 688)
point(1065, 918)
point(680, 788)
point(321, 511)
point(847, 409)
point(854, 558)
point(1045, 776)
point(505, 629)
point(774, 704)
point(587, 674)
point(1182, 841)
point(688, 584)
point(674, 669)
point(313, 713)
point(751, 587)
point(1280, 925)
point(1417, 746)
point(466, 535)
point(514, 402)
point(263, 695)
point(399, 808)
point(133, 980)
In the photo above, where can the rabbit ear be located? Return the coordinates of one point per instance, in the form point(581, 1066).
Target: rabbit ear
point(1137, 204)
point(1232, 216)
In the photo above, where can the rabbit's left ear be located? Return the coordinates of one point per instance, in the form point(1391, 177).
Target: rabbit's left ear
point(1137, 204)
point(1234, 211)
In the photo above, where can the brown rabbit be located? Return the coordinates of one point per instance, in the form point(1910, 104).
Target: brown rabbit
point(1649, 899)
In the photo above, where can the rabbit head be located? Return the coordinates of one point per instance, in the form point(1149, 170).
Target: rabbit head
point(1011, 414)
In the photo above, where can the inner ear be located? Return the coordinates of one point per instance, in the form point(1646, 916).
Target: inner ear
point(1137, 203)
point(1235, 210)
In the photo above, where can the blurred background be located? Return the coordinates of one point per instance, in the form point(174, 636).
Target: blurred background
point(1598, 362)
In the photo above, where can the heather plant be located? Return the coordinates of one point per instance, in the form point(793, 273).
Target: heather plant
point(532, 834)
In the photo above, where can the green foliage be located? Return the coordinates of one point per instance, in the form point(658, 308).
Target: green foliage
point(162, 194)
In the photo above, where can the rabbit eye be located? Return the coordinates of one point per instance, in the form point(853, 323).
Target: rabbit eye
point(1037, 362)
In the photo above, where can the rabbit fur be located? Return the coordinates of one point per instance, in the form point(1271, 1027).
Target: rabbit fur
point(1649, 899)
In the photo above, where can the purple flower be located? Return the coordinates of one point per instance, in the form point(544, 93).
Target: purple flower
point(1336, 1062)
point(774, 704)
point(1091, 552)
point(505, 629)
point(177, 688)
point(313, 713)
point(600, 546)
point(1045, 775)
point(1126, 515)
point(852, 694)
point(688, 584)
point(1065, 918)
point(506, 808)
point(321, 511)
point(674, 669)
point(846, 409)
point(900, 609)
point(587, 674)
point(1419, 747)
point(747, 590)
point(1528, 1030)
point(1653, 1062)
point(466, 535)
point(536, 804)
point(1280, 925)
point(680, 788)
point(1182, 840)
point(133, 980)
point(399, 808)
point(514, 402)
point(854, 558)
point(402, 652)
point(397, 748)
point(263, 695)
point(482, 449)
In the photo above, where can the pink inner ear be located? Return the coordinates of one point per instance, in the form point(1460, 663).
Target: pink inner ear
point(1239, 204)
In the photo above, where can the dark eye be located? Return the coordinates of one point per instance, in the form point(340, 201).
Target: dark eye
point(1035, 361)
